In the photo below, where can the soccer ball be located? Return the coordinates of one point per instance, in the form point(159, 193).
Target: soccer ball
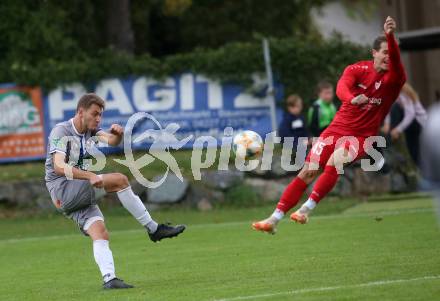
point(247, 145)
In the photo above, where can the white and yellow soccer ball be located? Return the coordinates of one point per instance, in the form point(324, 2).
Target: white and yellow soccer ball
point(248, 145)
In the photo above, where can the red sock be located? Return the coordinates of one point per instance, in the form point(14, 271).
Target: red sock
point(325, 183)
point(292, 194)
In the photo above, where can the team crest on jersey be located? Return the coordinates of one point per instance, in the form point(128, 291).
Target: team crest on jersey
point(377, 84)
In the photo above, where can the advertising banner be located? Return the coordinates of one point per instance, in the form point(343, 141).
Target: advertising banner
point(199, 106)
point(22, 134)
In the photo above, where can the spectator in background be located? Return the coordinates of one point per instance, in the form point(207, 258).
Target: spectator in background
point(323, 110)
point(430, 146)
point(407, 116)
point(293, 123)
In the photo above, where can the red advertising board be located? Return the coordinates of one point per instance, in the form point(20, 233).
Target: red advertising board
point(21, 124)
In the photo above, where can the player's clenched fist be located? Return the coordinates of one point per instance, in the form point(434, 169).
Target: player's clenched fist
point(360, 99)
point(390, 25)
point(117, 130)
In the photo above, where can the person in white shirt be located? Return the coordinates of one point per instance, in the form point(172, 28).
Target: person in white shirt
point(430, 147)
point(413, 121)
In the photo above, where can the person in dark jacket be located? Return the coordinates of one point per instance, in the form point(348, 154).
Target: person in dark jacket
point(323, 110)
point(293, 123)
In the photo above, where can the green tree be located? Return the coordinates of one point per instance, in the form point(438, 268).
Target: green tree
point(49, 42)
point(212, 23)
point(120, 34)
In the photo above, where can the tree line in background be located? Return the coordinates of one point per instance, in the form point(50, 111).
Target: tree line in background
point(49, 42)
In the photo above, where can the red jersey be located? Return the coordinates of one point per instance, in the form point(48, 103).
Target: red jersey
point(381, 88)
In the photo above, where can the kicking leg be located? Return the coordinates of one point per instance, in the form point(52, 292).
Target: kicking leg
point(290, 197)
point(325, 183)
point(117, 182)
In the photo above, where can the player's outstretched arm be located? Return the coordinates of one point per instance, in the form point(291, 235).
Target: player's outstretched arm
point(396, 69)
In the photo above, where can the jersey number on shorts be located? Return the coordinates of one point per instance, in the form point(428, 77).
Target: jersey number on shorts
point(318, 148)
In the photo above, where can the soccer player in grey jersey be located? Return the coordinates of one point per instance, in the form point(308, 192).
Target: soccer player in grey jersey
point(72, 187)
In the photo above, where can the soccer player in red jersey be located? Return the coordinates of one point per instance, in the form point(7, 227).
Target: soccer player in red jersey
point(367, 90)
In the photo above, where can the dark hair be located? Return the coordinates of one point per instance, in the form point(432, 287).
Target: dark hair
point(89, 99)
point(378, 41)
point(322, 85)
point(293, 100)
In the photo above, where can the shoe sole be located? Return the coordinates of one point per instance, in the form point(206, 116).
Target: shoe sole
point(117, 288)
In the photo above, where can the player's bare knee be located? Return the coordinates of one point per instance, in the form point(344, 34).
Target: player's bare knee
point(308, 175)
point(340, 157)
point(100, 236)
point(98, 231)
point(122, 181)
point(104, 235)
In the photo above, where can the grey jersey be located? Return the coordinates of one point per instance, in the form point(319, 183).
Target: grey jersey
point(64, 138)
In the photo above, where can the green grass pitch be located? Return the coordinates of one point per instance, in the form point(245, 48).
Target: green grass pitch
point(351, 255)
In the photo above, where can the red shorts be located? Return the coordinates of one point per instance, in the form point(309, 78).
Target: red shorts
point(326, 144)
